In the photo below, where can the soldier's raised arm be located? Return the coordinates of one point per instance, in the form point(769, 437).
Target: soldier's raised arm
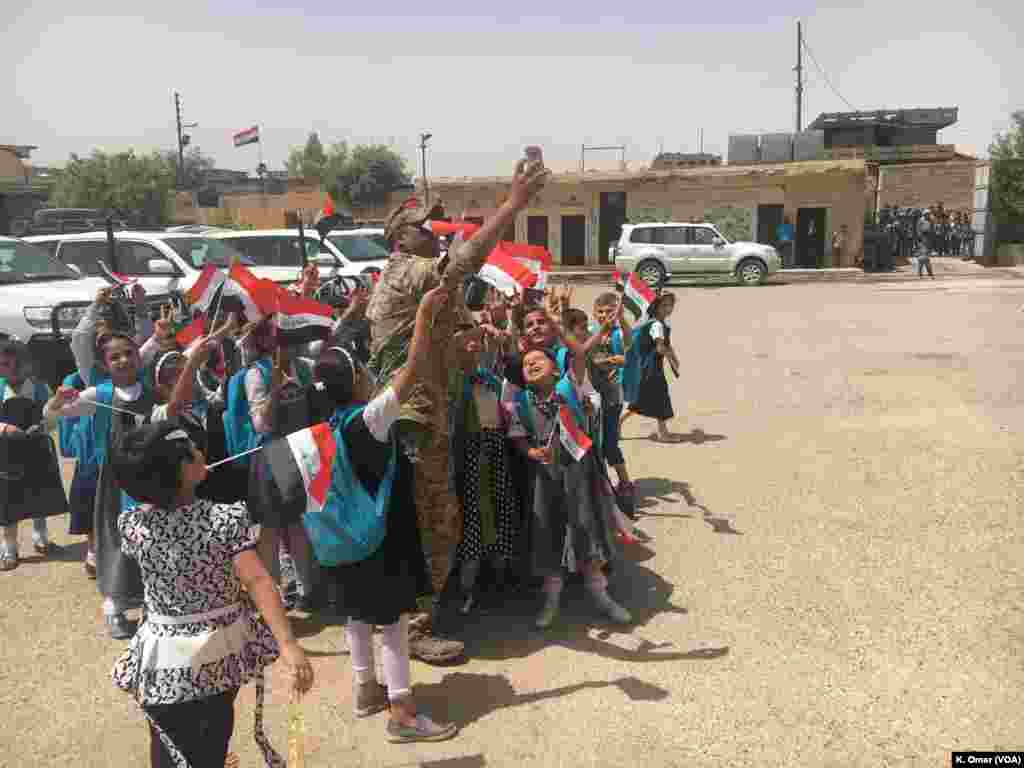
point(467, 258)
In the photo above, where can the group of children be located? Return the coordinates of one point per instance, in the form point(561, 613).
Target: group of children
point(538, 398)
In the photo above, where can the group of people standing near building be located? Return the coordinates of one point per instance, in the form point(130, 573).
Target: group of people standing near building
point(456, 442)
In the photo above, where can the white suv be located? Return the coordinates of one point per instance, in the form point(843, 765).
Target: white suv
point(347, 252)
point(656, 251)
point(33, 284)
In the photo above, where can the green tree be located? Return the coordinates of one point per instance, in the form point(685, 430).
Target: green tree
point(369, 175)
point(136, 184)
point(197, 166)
point(1007, 177)
point(309, 161)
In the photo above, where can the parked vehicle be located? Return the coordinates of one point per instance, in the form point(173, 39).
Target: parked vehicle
point(657, 251)
point(164, 263)
point(348, 252)
point(41, 302)
point(57, 221)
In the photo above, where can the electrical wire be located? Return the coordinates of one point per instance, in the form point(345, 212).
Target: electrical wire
point(826, 78)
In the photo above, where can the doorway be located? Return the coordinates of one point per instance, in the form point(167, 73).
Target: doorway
point(768, 219)
point(574, 240)
point(612, 217)
point(537, 230)
point(810, 237)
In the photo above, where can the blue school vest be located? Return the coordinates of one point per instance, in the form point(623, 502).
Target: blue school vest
point(352, 524)
point(638, 364)
point(565, 389)
point(68, 428)
point(239, 433)
point(615, 338)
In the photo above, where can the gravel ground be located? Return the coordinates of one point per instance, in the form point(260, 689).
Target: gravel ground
point(833, 576)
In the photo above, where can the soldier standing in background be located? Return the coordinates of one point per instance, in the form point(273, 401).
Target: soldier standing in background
point(415, 267)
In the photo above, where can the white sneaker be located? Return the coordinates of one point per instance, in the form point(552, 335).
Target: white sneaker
point(610, 608)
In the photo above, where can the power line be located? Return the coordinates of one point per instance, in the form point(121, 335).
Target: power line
point(826, 78)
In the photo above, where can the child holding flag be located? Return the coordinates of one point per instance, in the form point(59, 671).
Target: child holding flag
point(367, 498)
point(644, 385)
point(570, 516)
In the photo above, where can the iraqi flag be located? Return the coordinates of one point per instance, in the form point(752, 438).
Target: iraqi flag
point(300, 320)
point(461, 229)
point(638, 295)
point(248, 136)
point(506, 273)
point(301, 464)
point(574, 439)
point(536, 258)
point(620, 284)
point(203, 292)
point(191, 332)
point(244, 293)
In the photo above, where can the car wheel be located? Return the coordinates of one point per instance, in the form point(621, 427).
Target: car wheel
point(751, 272)
point(652, 273)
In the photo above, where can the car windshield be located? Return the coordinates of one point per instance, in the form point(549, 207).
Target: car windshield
point(362, 247)
point(200, 251)
point(24, 262)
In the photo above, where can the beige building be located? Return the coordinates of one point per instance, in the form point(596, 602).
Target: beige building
point(578, 215)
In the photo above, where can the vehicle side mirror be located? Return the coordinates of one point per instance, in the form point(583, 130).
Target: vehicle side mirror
point(75, 268)
point(718, 242)
point(160, 267)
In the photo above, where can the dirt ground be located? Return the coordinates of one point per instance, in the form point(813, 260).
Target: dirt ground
point(833, 577)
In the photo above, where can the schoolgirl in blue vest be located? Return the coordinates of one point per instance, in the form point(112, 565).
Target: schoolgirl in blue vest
point(75, 434)
point(644, 384)
point(121, 401)
point(570, 514)
point(17, 502)
point(272, 397)
point(605, 367)
point(483, 478)
point(371, 500)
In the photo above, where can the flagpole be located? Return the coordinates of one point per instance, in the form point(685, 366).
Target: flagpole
point(232, 458)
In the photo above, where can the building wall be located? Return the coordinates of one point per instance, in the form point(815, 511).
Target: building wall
point(678, 198)
point(12, 167)
point(921, 185)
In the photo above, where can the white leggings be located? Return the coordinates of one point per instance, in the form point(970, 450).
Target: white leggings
point(394, 655)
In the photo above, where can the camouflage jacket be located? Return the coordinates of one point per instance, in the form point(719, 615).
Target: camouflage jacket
point(392, 315)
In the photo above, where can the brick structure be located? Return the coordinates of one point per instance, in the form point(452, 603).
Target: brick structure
point(919, 185)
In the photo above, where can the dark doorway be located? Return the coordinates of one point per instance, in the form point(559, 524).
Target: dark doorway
point(5, 218)
point(810, 237)
point(612, 217)
point(537, 230)
point(768, 219)
point(574, 240)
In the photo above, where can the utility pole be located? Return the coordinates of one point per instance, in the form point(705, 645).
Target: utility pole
point(424, 138)
point(181, 147)
point(183, 140)
point(799, 77)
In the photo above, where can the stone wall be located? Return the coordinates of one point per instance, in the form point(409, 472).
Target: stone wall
point(925, 184)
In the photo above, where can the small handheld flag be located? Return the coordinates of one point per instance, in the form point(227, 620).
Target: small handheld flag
point(638, 295)
point(573, 439)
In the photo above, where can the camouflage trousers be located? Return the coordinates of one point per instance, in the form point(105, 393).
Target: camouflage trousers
point(437, 510)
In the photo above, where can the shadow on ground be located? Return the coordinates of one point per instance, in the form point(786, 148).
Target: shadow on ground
point(654, 491)
point(693, 437)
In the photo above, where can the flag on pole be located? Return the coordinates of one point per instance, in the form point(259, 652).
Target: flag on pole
point(328, 209)
point(505, 273)
point(300, 320)
point(536, 258)
point(620, 284)
point(244, 292)
point(573, 439)
point(301, 463)
point(248, 136)
point(203, 292)
point(638, 295)
point(191, 332)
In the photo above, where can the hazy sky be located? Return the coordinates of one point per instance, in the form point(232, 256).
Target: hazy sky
point(487, 85)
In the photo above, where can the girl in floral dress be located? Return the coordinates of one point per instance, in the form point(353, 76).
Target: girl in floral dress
point(202, 638)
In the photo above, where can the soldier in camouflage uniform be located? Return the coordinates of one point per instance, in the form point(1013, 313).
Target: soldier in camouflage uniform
point(415, 267)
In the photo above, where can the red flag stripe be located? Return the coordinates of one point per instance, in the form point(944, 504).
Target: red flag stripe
point(191, 332)
point(202, 292)
point(573, 438)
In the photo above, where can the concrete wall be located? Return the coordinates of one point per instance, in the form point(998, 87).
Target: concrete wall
point(920, 185)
